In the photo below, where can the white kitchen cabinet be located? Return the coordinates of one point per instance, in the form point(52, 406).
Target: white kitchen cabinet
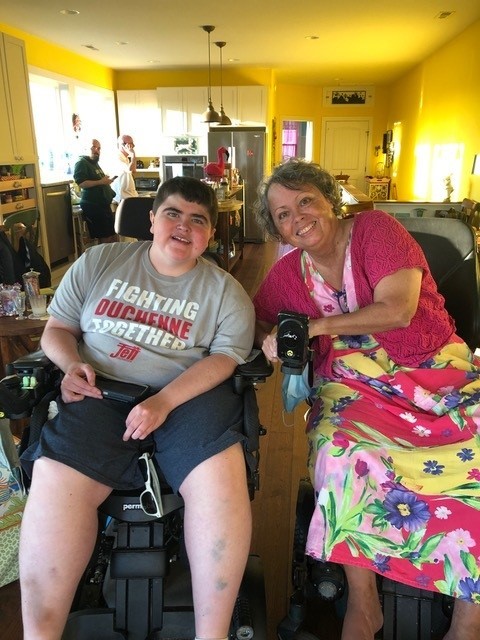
point(139, 117)
point(252, 104)
point(17, 145)
point(195, 102)
point(172, 111)
point(178, 111)
point(230, 101)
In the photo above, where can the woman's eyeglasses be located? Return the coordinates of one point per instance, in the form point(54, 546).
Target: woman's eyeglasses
point(341, 298)
point(151, 496)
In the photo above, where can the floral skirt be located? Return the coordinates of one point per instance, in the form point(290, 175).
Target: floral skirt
point(394, 456)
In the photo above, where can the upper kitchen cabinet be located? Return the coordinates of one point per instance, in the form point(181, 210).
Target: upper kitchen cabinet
point(172, 111)
point(252, 105)
point(195, 101)
point(181, 107)
point(17, 144)
point(139, 116)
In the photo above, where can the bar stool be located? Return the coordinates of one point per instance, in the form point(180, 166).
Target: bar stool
point(81, 237)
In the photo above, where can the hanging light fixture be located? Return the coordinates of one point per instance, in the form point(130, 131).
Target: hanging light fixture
point(224, 119)
point(210, 115)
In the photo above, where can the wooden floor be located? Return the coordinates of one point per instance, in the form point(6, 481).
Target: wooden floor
point(282, 464)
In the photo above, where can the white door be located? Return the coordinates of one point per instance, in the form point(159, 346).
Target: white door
point(344, 148)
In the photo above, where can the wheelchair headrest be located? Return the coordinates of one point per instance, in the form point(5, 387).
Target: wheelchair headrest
point(132, 218)
point(450, 247)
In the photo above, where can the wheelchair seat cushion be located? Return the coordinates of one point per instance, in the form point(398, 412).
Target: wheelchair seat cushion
point(87, 436)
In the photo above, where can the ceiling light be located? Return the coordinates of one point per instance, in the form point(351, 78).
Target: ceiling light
point(312, 37)
point(444, 14)
point(90, 46)
point(224, 119)
point(210, 115)
point(69, 12)
point(121, 43)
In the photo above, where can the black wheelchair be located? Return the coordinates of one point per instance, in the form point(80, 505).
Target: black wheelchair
point(137, 585)
point(451, 249)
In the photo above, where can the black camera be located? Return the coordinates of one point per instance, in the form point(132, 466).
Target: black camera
point(292, 341)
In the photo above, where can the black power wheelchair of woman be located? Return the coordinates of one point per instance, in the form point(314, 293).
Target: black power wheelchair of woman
point(137, 585)
point(451, 249)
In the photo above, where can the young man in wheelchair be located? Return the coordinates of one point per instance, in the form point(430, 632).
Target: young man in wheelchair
point(157, 314)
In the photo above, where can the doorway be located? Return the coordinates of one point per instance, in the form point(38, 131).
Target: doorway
point(297, 139)
point(344, 148)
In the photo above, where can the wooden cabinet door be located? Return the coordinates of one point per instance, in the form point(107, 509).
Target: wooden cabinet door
point(17, 97)
point(6, 145)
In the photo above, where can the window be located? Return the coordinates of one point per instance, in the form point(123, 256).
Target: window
point(296, 139)
point(54, 102)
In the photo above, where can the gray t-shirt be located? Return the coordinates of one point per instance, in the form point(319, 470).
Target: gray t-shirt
point(143, 327)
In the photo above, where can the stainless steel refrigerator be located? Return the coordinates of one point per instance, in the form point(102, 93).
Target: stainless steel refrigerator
point(246, 146)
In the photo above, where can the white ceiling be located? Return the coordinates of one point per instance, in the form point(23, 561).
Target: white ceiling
point(359, 41)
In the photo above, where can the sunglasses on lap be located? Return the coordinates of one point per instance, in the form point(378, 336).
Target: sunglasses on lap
point(151, 496)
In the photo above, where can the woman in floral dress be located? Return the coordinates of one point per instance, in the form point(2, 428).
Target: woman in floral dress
point(394, 430)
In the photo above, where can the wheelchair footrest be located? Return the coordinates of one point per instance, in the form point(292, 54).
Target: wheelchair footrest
point(411, 613)
point(138, 563)
point(95, 623)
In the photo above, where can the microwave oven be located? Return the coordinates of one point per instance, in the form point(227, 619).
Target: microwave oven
point(147, 184)
point(186, 165)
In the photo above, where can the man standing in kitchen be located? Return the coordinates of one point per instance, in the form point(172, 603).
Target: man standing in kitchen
point(96, 195)
point(124, 184)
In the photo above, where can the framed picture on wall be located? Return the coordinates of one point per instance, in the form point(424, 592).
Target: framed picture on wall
point(347, 96)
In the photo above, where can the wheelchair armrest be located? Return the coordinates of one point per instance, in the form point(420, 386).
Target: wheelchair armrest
point(26, 382)
point(256, 369)
point(30, 361)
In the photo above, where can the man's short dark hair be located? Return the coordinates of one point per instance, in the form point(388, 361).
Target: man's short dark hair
point(191, 190)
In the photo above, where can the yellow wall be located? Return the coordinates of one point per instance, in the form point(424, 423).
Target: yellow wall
point(305, 102)
point(47, 56)
point(151, 79)
point(437, 103)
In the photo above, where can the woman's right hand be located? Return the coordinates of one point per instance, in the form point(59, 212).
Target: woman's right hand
point(79, 382)
point(269, 347)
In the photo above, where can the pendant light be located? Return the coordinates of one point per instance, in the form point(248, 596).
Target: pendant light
point(224, 119)
point(210, 115)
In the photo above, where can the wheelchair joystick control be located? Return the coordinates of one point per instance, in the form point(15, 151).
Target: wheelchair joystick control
point(292, 341)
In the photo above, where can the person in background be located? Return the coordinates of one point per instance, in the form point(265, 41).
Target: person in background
point(154, 313)
point(394, 450)
point(124, 183)
point(96, 195)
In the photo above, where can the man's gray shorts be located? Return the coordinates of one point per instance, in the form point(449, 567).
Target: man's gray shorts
point(87, 436)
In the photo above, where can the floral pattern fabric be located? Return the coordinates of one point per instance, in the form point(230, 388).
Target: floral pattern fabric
point(394, 456)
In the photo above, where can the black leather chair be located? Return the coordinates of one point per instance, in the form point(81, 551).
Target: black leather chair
point(132, 220)
point(450, 246)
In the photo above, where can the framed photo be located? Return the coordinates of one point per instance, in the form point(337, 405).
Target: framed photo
point(347, 96)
